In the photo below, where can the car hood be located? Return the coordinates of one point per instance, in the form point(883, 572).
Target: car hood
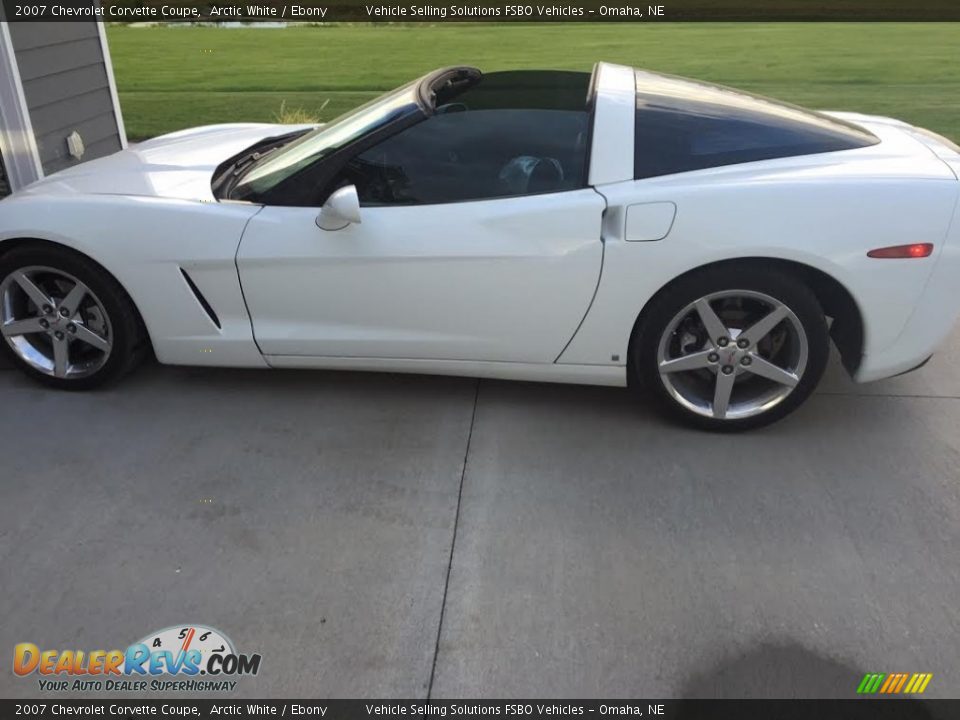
point(179, 165)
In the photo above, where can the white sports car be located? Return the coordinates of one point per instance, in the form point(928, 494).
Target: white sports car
point(620, 228)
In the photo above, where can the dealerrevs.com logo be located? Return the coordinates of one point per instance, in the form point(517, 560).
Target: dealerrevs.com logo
point(179, 658)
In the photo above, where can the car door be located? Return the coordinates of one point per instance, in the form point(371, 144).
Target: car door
point(477, 241)
point(499, 280)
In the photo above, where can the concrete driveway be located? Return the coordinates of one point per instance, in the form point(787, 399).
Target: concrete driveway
point(376, 535)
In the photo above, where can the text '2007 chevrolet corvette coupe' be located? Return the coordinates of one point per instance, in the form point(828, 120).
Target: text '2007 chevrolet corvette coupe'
point(618, 228)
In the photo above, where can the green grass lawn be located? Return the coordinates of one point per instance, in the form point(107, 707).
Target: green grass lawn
point(174, 77)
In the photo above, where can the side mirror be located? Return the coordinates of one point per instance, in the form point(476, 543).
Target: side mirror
point(340, 209)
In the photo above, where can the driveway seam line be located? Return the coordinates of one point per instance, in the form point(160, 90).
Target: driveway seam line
point(453, 541)
point(888, 395)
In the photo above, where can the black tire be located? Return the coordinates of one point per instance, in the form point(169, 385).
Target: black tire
point(752, 276)
point(129, 341)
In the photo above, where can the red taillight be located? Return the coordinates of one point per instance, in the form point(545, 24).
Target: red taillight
point(917, 250)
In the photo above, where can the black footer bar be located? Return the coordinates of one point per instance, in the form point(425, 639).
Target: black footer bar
point(898, 708)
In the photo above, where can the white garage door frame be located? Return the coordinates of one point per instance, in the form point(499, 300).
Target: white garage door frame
point(18, 141)
point(18, 146)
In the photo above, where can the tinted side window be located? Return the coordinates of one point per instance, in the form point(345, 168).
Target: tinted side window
point(683, 125)
point(513, 134)
point(473, 155)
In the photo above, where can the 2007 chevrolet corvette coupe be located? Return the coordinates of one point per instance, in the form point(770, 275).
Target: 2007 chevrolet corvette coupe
point(619, 228)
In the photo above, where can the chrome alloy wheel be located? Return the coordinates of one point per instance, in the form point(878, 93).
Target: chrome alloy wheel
point(54, 323)
point(732, 354)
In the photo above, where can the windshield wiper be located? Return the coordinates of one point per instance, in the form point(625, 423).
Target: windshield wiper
point(249, 160)
point(230, 172)
point(239, 167)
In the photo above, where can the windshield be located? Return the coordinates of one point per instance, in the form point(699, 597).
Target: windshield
point(284, 162)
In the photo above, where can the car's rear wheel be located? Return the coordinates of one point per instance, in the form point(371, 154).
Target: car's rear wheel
point(731, 348)
point(64, 320)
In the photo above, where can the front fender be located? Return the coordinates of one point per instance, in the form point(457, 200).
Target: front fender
point(144, 242)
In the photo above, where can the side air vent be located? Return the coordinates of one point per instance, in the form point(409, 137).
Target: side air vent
point(201, 299)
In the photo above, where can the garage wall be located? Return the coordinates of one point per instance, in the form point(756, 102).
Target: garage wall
point(66, 83)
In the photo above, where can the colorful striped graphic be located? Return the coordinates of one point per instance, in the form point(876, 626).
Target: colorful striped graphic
point(894, 683)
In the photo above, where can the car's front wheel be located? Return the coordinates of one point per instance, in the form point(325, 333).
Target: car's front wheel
point(731, 348)
point(64, 320)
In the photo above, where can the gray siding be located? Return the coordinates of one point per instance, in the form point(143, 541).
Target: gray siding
point(66, 88)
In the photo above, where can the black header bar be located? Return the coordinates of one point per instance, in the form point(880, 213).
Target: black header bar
point(481, 10)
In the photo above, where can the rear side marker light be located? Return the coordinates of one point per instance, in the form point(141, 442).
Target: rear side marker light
point(917, 250)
